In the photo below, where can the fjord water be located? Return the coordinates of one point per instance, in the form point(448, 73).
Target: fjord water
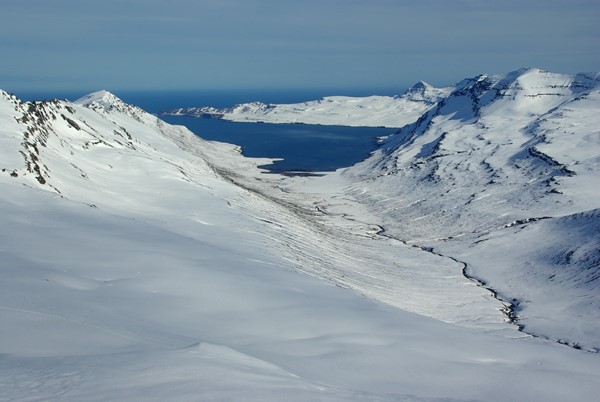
point(303, 147)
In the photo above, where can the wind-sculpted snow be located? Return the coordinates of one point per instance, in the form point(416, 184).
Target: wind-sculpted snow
point(140, 262)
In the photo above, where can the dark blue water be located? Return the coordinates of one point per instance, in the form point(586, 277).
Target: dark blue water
point(302, 147)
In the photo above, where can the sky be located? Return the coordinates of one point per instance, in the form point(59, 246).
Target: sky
point(279, 44)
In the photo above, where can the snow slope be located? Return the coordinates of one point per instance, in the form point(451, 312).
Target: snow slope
point(140, 262)
point(375, 111)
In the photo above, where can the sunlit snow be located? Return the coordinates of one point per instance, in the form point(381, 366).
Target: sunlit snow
point(459, 262)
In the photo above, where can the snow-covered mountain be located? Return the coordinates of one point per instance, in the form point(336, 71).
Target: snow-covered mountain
point(376, 111)
point(503, 174)
point(139, 261)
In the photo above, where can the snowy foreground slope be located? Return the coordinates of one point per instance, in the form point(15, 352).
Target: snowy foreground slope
point(140, 262)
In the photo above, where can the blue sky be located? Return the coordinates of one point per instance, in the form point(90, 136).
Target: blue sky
point(279, 44)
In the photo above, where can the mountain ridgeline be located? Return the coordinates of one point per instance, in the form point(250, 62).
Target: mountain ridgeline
point(504, 163)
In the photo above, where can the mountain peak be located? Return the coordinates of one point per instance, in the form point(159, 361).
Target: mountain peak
point(527, 72)
point(102, 97)
point(423, 92)
point(420, 87)
point(107, 102)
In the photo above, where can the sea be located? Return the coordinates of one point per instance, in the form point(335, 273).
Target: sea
point(302, 147)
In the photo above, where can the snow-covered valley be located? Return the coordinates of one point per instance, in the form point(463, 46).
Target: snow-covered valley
point(142, 262)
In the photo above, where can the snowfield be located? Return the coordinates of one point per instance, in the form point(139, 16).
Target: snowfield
point(459, 262)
